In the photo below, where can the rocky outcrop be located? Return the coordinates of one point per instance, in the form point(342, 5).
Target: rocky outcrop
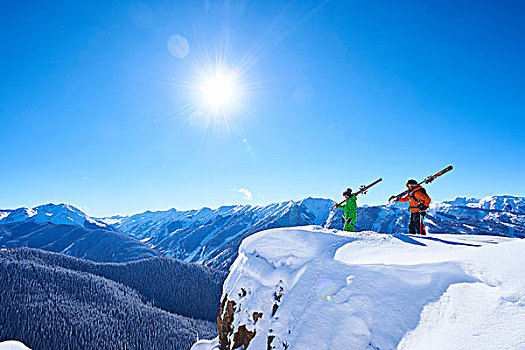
point(238, 324)
point(241, 336)
point(225, 321)
point(232, 336)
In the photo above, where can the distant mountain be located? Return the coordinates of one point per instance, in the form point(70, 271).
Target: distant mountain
point(87, 243)
point(53, 214)
point(213, 236)
point(52, 301)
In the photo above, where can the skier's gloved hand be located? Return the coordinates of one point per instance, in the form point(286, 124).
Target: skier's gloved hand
point(392, 199)
point(422, 207)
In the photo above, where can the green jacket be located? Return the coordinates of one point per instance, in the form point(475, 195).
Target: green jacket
point(350, 208)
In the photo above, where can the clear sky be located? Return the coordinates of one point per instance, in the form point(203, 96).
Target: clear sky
point(102, 103)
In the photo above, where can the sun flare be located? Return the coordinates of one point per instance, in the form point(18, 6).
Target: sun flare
point(217, 90)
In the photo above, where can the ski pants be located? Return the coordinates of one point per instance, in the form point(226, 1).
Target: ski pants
point(416, 224)
point(349, 224)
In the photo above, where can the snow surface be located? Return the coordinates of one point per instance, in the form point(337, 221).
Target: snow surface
point(4, 214)
point(376, 291)
point(13, 345)
point(206, 344)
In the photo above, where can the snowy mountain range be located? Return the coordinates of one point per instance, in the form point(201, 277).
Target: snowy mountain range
point(212, 236)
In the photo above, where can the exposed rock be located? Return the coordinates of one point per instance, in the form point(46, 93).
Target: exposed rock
point(256, 316)
point(270, 339)
point(224, 322)
point(274, 309)
point(278, 294)
point(242, 337)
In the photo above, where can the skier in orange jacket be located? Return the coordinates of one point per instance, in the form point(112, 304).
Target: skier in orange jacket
point(419, 202)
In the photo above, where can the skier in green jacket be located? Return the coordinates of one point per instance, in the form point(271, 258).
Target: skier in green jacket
point(350, 208)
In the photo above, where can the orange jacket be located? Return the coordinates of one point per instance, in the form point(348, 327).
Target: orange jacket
point(416, 197)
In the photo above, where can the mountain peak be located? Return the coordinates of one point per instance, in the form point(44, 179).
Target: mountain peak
point(53, 213)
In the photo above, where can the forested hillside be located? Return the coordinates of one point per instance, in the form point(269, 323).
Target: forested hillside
point(52, 301)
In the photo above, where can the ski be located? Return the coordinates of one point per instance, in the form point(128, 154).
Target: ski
point(427, 180)
point(362, 190)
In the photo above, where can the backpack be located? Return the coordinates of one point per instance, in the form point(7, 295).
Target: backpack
point(422, 190)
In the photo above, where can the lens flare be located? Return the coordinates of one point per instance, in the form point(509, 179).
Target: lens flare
point(325, 287)
point(178, 46)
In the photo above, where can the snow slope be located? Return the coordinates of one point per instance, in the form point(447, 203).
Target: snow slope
point(12, 345)
point(312, 288)
point(4, 213)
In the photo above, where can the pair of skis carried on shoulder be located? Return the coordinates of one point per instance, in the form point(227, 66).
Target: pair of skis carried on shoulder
point(427, 180)
point(362, 190)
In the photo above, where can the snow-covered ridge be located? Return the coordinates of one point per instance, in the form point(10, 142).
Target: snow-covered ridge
point(312, 288)
point(53, 214)
point(505, 203)
point(319, 207)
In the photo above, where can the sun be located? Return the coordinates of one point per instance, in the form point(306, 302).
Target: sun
point(216, 91)
point(220, 90)
point(220, 96)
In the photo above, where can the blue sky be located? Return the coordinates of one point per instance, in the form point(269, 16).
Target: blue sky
point(96, 111)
